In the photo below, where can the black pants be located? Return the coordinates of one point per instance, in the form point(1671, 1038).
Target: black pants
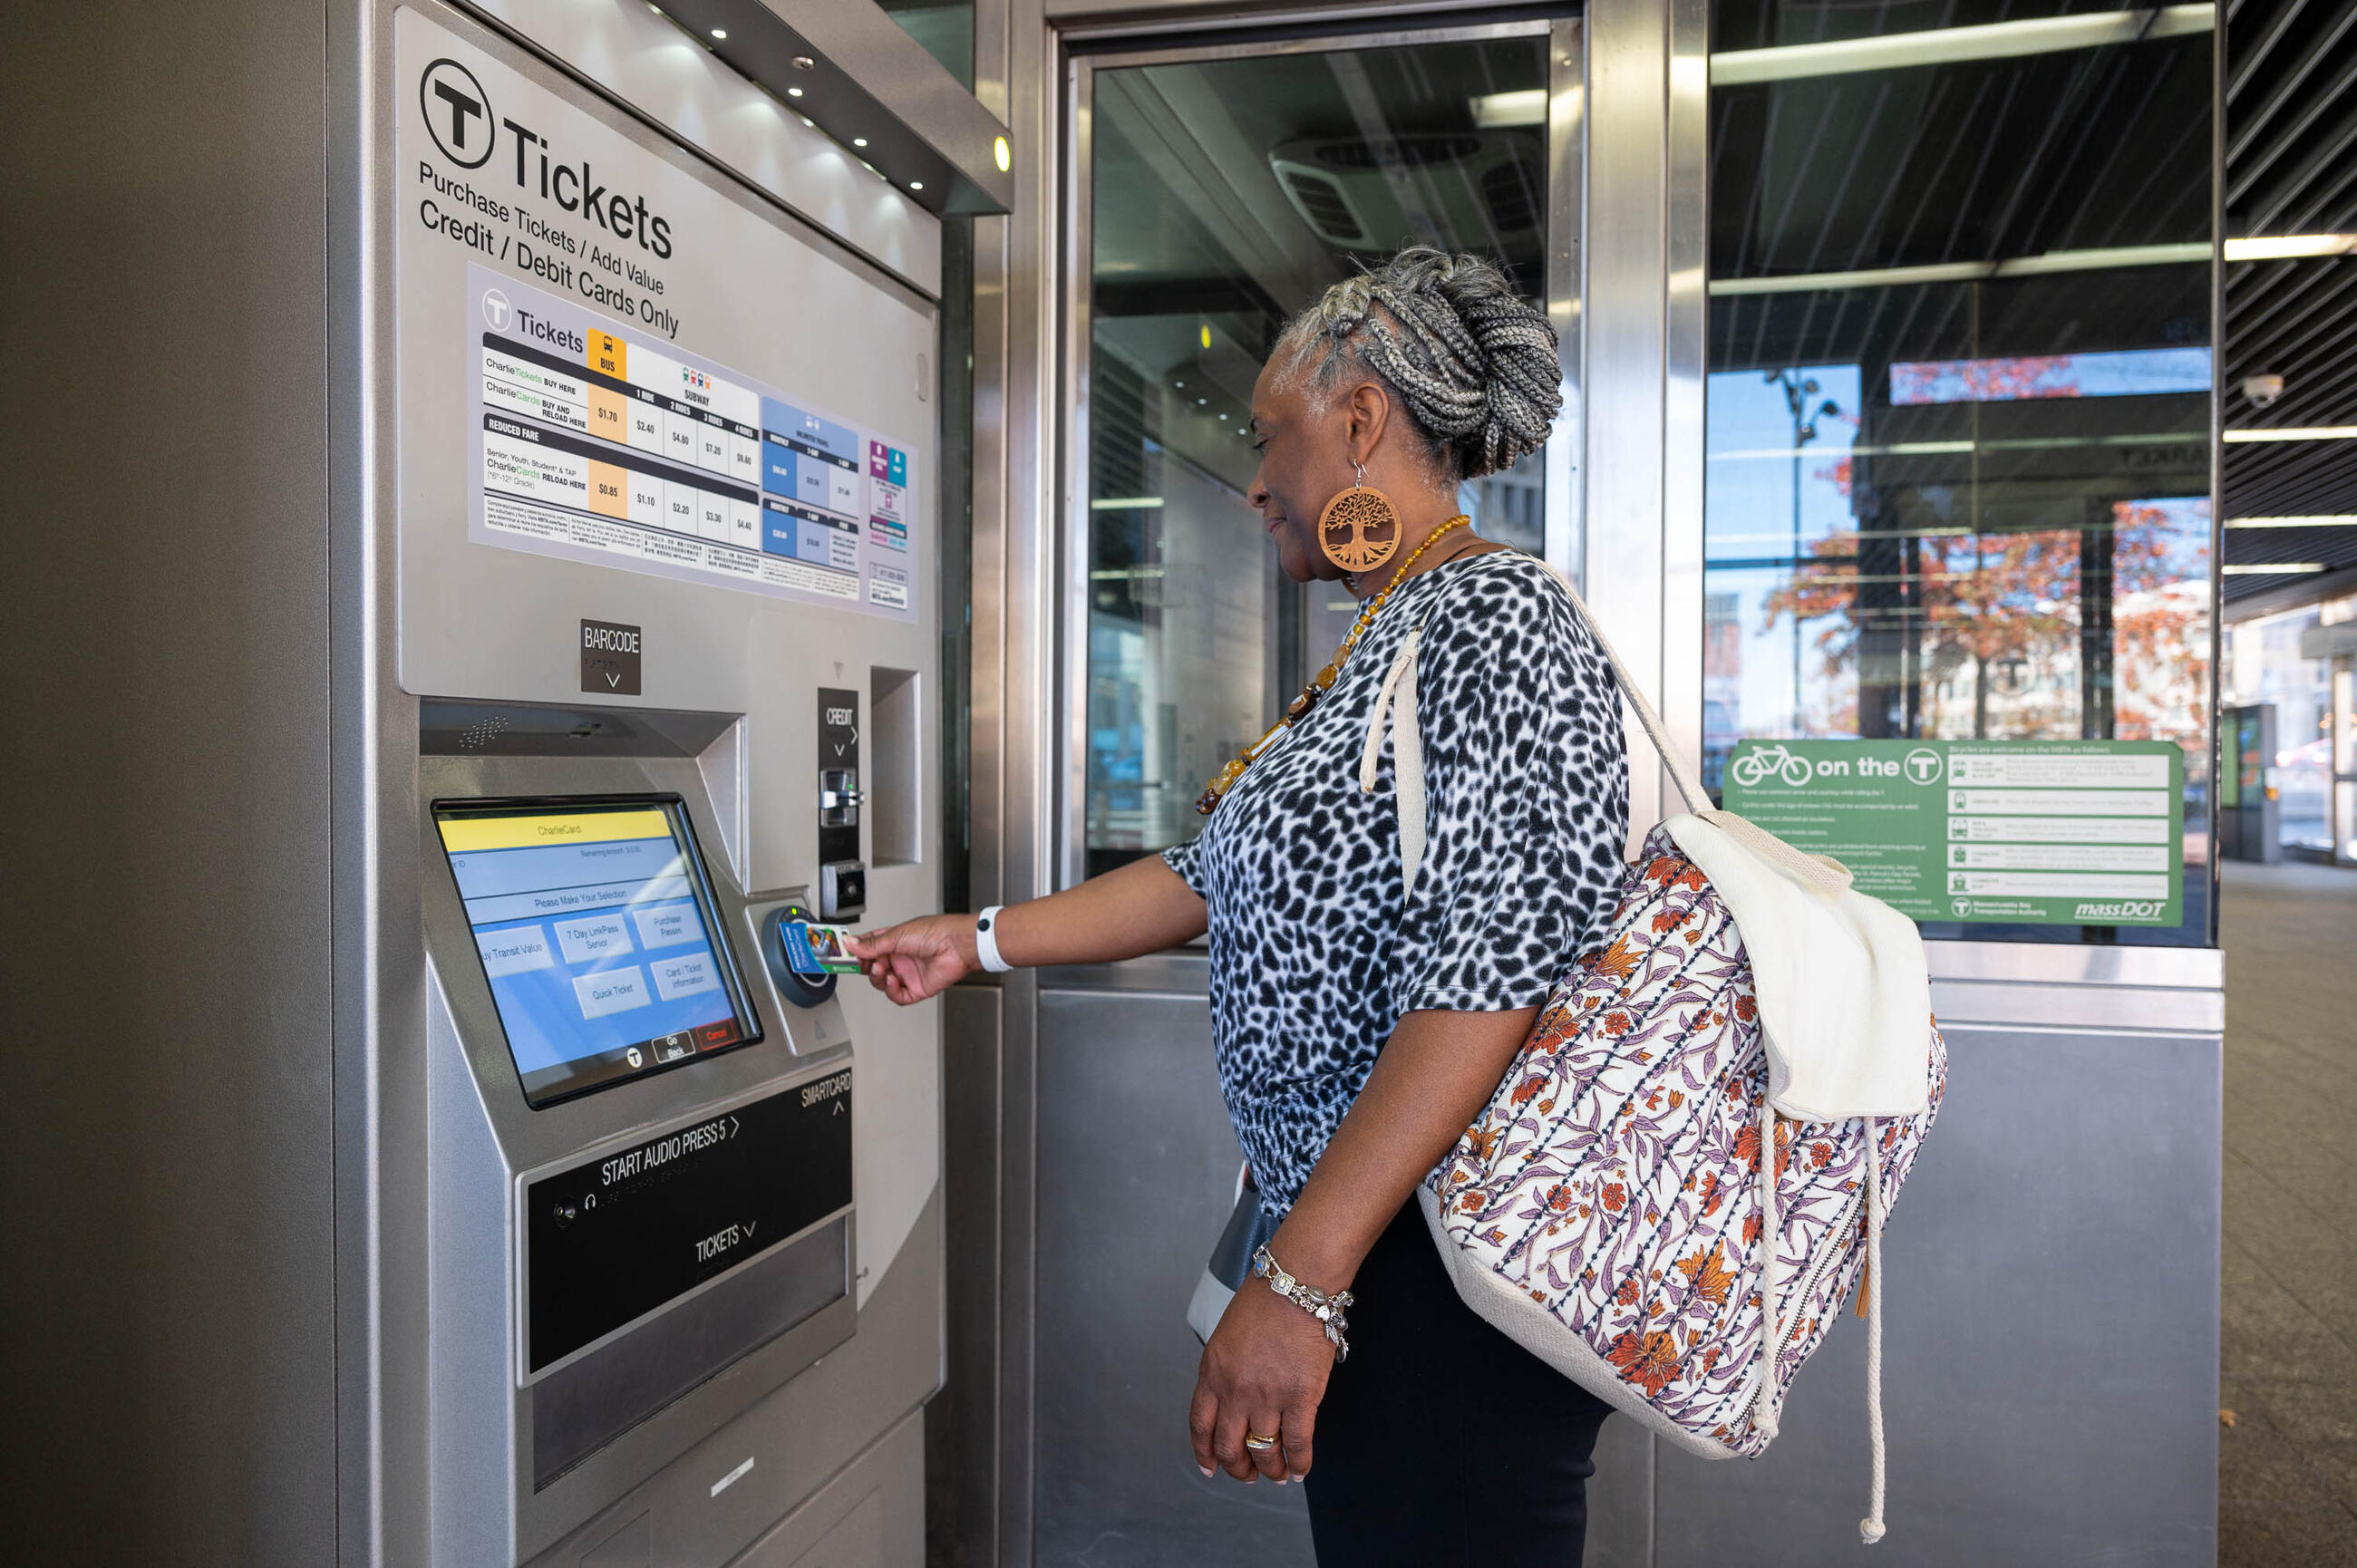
point(1442, 1440)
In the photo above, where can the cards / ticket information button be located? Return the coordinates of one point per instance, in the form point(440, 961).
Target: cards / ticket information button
point(678, 977)
point(612, 991)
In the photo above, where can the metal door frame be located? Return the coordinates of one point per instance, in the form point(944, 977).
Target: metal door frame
point(2340, 667)
point(1565, 283)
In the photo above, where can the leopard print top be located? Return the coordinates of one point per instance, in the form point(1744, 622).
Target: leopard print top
point(1316, 953)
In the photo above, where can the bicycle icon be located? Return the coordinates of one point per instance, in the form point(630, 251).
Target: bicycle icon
point(1755, 768)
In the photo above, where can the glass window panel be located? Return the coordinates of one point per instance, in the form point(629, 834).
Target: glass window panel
point(946, 31)
point(1226, 194)
point(1946, 498)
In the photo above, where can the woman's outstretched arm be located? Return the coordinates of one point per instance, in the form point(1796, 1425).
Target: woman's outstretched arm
point(1140, 908)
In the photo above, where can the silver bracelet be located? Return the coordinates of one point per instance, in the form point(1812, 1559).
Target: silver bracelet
point(1327, 1309)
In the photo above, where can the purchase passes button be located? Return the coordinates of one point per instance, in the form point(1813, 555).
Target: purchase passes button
point(612, 991)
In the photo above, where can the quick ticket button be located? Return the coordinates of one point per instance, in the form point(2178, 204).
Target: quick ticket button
point(612, 991)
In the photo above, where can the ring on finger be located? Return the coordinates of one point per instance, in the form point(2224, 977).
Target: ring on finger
point(1257, 1443)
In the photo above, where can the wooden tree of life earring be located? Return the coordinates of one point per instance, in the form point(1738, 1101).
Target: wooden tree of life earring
point(1358, 530)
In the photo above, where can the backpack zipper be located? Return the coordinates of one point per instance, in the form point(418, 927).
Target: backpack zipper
point(1809, 1282)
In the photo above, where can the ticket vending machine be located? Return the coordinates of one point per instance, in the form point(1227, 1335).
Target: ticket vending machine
point(657, 1271)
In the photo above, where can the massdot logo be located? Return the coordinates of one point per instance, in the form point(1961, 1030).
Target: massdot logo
point(457, 113)
point(2121, 909)
point(1922, 765)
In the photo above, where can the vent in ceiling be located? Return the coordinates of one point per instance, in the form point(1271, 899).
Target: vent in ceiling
point(1320, 199)
point(1475, 191)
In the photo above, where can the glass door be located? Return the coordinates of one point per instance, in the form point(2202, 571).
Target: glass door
point(1216, 191)
point(1959, 468)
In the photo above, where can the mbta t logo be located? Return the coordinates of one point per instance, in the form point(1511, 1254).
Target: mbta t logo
point(457, 113)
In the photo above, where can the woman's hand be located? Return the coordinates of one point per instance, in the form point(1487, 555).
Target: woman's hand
point(1265, 1372)
point(917, 959)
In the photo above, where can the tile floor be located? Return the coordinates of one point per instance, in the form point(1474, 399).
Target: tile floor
point(2288, 1468)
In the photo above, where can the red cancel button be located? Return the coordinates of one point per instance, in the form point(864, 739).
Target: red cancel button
point(708, 1036)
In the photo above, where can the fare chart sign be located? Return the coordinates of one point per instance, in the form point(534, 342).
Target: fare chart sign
point(635, 362)
point(2035, 833)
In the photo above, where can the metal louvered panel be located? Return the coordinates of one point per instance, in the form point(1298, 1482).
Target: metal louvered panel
point(2291, 168)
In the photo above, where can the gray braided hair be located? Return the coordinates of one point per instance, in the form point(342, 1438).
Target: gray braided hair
point(1474, 366)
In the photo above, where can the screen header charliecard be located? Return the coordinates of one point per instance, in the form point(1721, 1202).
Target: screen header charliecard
point(594, 924)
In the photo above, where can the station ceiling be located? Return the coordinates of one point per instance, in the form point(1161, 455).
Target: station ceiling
point(2291, 168)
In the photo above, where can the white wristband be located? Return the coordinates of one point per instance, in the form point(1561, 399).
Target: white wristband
point(985, 941)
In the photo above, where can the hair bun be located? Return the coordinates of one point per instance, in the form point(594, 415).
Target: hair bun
point(1476, 367)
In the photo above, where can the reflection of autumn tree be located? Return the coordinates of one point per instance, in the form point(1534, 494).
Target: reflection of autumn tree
point(1985, 381)
point(1989, 599)
point(1986, 599)
point(2161, 625)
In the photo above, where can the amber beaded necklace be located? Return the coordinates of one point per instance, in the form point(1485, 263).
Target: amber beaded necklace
point(1301, 705)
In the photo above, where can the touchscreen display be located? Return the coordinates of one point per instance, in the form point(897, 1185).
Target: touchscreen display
point(596, 927)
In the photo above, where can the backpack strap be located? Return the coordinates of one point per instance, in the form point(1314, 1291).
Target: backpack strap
point(1398, 697)
point(1818, 871)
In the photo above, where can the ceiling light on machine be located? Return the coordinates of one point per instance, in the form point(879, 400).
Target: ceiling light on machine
point(1005, 154)
point(793, 93)
point(858, 140)
point(720, 33)
point(916, 185)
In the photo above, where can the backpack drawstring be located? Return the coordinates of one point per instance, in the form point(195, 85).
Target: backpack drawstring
point(1869, 1529)
point(1772, 1339)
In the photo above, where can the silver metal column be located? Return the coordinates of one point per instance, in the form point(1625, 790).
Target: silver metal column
point(166, 985)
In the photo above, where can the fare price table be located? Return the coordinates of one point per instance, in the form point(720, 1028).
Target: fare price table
point(679, 464)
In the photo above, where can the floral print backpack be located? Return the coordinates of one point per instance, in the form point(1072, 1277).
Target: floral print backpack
point(1713, 1112)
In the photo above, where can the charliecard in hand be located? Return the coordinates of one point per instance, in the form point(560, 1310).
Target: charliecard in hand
point(819, 950)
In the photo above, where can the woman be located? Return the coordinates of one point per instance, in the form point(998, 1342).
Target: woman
point(1365, 1005)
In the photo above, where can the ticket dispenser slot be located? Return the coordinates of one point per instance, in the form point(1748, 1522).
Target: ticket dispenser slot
point(894, 762)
